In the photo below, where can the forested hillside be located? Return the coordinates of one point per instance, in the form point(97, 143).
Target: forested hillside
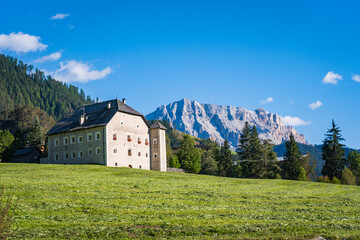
point(22, 84)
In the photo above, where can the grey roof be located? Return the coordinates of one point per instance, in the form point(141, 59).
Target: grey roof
point(158, 124)
point(24, 151)
point(96, 115)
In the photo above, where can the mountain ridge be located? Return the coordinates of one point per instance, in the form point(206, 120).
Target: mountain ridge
point(219, 122)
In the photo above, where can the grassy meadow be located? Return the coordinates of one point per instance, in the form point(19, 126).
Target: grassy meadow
point(98, 202)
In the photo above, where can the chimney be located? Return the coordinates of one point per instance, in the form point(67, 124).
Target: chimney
point(109, 105)
point(82, 119)
point(124, 100)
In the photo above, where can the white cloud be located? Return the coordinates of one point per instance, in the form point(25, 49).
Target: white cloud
point(52, 57)
point(21, 42)
point(356, 77)
point(74, 71)
point(268, 100)
point(60, 16)
point(331, 78)
point(294, 121)
point(315, 105)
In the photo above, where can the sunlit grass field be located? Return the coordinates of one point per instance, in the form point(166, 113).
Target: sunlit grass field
point(98, 202)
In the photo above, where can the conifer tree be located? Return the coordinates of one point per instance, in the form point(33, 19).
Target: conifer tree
point(244, 151)
point(353, 162)
point(292, 159)
point(333, 153)
point(226, 163)
point(35, 136)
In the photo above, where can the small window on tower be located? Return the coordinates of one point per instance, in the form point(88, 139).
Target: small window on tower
point(155, 155)
point(129, 152)
point(155, 141)
point(115, 150)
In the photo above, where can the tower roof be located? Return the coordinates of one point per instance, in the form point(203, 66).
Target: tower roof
point(158, 124)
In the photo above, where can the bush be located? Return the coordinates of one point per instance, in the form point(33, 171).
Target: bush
point(335, 180)
point(348, 177)
point(278, 176)
point(302, 175)
point(174, 162)
point(5, 214)
point(323, 179)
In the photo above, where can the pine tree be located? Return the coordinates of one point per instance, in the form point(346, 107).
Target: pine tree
point(244, 150)
point(226, 163)
point(256, 154)
point(267, 166)
point(333, 153)
point(292, 159)
point(35, 136)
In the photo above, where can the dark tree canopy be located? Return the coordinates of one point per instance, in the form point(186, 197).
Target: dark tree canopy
point(19, 84)
point(292, 159)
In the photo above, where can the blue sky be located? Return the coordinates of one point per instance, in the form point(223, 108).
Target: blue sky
point(239, 53)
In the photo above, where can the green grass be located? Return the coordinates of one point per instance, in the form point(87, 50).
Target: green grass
point(90, 201)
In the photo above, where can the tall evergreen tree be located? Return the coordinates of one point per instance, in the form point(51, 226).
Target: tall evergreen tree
point(244, 150)
point(35, 136)
point(333, 153)
point(226, 163)
point(267, 166)
point(292, 159)
point(353, 162)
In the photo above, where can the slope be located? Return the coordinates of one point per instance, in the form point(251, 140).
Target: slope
point(97, 202)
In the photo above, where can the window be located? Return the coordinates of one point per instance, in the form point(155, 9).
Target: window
point(56, 157)
point(115, 150)
point(137, 126)
point(97, 151)
point(97, 136)
point(89, 137)
point(129, 138)
point(89, 151)
point(72, 139)
point(130, 166)
point(66, 140)
point(139, 140)
point(155, 141)
point(147, 154)
point(80, 139)
point(116, 164)
point(80, 154)
point(140, 166)
point(73, 154)
point(56, 142)
point(114, 136)
point(139, 154)
point(129, 152)
point(146, 141)
point(66, 155)
point(122, 122)
point(155, 155)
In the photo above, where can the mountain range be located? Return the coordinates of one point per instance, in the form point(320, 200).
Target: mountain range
point(219, 122)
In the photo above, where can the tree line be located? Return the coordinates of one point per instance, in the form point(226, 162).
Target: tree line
point(255, 158)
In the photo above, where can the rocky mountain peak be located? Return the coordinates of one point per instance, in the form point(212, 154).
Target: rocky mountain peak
point(223, 122)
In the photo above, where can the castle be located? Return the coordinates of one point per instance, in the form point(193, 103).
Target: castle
point(109, 133)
